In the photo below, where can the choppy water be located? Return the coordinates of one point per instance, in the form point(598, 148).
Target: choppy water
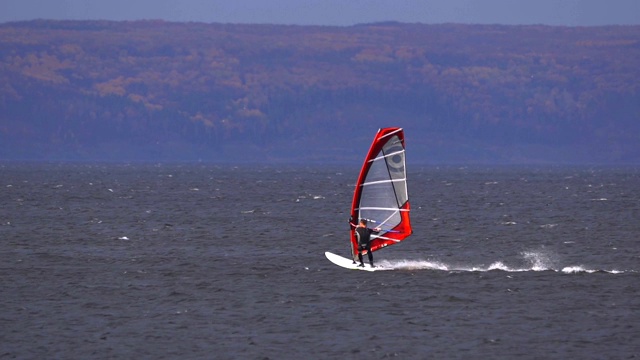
point(204, 261)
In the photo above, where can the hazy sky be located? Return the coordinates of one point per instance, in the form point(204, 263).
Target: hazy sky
point(333, 12)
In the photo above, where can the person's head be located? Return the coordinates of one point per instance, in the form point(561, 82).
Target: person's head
point(363, 222)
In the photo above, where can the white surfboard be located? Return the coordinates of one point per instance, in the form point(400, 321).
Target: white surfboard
point(348, 263)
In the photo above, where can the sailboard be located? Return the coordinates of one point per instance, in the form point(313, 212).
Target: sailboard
point(349, 264)
point(380, 195)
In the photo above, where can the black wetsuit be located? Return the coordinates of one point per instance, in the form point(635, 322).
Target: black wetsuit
point(363, 235)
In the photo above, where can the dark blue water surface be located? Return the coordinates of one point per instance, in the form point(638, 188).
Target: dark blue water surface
point(205, 261)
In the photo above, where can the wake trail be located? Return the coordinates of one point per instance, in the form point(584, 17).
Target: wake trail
point(535, 261)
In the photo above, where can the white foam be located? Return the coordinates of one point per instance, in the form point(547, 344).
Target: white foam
point(413, 265)
point(498, 265)
point(539, 260)
point(575, 270)
point(581, 269)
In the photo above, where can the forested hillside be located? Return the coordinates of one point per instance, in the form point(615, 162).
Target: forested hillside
point(153, 90)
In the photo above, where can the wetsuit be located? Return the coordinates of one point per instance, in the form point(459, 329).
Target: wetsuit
point(363, 235)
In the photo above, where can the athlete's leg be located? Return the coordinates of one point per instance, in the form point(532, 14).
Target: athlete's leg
point(360, 256)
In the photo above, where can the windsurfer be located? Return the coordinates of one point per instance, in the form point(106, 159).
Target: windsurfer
point(363, 234)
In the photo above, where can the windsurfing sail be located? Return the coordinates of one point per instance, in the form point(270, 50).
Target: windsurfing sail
point(380, 194)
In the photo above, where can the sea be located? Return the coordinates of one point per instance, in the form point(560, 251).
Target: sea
point(206, 261)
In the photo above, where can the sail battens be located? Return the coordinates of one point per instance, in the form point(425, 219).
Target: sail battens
point(387, 238)
point(387, 155)
point(383, 181)
point(390, 133)
point(383, 208)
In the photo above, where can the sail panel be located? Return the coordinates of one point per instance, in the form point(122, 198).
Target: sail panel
point(381, 194)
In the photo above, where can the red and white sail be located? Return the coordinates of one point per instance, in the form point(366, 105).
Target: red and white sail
point(381, 194)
